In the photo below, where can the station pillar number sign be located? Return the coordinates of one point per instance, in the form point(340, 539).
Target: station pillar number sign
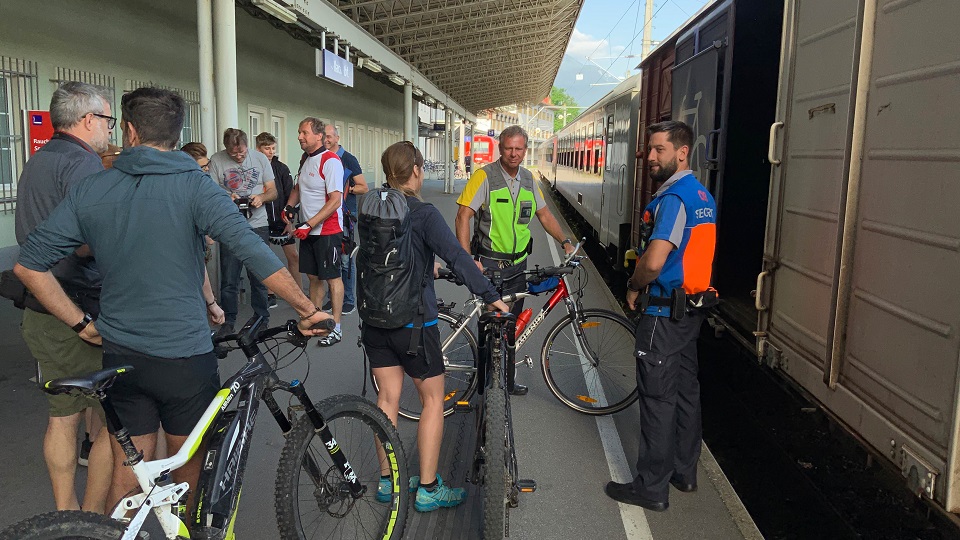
point(491, 133)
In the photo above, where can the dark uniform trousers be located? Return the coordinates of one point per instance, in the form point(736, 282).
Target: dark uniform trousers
point(670, 429)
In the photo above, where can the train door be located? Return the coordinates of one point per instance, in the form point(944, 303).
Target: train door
point(697, 92)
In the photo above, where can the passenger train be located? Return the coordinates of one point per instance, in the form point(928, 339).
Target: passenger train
point(835, 177)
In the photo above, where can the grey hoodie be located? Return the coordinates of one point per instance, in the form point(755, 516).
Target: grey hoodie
point(145, 219)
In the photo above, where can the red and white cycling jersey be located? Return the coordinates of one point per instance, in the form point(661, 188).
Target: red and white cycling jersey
point(321, 174)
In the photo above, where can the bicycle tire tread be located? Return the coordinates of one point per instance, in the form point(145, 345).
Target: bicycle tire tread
point(297, 440)
point(67, 524)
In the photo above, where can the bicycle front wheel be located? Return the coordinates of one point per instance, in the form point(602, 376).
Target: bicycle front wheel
point(313, 498)
point(460, 367)
point(588, 362)
point(67, 524)
point(496, 479)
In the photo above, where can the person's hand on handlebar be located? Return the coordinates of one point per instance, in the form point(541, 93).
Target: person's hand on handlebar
point(306, 323)
point(215, 313)
point(499, 305)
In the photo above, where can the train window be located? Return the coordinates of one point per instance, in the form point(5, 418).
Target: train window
point(609, 141)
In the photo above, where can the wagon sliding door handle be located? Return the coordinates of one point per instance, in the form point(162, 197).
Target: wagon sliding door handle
point(758, 293)
point(772, 148)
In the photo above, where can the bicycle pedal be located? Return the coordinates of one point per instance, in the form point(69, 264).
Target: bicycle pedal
point(462, 407)
point(528, 360)
point(526, 486)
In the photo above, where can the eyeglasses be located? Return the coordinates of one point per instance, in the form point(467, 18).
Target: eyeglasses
point(111, 121)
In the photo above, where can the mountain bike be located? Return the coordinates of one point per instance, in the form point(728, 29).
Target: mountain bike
point(327, 478)
point(494, 463)
point(587, 358)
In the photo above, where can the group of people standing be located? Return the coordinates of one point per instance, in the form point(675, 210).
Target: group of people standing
point(115, 259)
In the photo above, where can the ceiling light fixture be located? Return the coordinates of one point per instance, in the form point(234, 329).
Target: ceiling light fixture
point(417, 92)
point(276, 10)
point(372, 66)
point(396, 79)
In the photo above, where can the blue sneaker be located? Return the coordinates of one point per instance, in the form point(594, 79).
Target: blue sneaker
point(385, 490)
point(441, 497)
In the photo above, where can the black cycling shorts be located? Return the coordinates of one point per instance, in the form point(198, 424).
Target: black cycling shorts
point(172, 392)
point(320, 255)
point(388, 348)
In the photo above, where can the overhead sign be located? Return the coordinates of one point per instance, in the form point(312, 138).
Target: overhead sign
point(339, 70)
point(491, 133)
point(39, 129)
point(439, 127)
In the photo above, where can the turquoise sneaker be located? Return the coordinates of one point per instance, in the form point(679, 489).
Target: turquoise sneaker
point(441, 497)
point(385, 490)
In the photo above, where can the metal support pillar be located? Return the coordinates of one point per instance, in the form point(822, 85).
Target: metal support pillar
point(208, 119)
point(448, 162)
point(225, 50)
point(409, 115)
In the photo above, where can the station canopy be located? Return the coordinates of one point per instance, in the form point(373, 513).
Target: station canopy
point(482, 53)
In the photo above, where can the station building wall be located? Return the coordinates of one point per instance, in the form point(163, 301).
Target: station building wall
point(131, 42)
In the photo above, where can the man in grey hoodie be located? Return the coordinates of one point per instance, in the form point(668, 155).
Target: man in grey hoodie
point(145, 221)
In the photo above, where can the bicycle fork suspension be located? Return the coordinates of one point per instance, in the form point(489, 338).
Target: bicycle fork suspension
point(333, 448)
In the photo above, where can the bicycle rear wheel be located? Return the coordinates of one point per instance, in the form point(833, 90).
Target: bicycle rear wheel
point(589, 363)
point(67, 524)
point(312, 496)
point(496, 478)
point(460, 364)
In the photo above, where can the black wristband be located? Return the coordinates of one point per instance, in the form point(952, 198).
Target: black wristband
point(212, 302)
point(83, 323)
point(565, 242)
point(630, 286)
point(305, 317)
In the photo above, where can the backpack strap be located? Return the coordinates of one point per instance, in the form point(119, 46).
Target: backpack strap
point(416, 336)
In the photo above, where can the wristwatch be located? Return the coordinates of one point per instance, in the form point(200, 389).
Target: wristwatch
point(630, 286)
point(82, 324)
point(565, 242)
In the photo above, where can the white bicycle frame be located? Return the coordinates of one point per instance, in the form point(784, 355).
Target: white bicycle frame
point(161, 499)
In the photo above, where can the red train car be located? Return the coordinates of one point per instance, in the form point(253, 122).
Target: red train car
point(484, 150)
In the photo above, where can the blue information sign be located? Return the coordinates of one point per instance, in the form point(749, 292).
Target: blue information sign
point(491, 133)
point(338, 70)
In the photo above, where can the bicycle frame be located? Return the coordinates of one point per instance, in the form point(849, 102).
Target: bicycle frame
point(560, 294)
point(219, 486)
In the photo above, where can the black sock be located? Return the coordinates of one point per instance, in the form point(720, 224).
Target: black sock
point(429, 487)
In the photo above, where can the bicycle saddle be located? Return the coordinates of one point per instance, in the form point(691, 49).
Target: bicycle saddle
point(88, 384)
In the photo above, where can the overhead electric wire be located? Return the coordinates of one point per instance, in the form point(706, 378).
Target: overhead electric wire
point(654, 16)
point(600, 43)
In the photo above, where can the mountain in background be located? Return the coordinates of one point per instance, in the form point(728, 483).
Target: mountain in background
point(581, 90)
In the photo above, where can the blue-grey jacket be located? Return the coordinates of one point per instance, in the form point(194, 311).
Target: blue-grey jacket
point(145, 219)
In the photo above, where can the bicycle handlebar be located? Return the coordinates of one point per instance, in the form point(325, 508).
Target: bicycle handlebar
point(249, 335)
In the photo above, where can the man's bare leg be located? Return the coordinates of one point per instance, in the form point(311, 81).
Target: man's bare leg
point(60, 453)
point(336, 297)
point(99, 471)
point(189, 473)
point(316, 290)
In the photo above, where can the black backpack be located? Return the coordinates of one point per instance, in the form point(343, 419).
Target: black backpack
point(389, 283)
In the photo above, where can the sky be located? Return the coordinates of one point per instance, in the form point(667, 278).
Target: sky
point(607, 29)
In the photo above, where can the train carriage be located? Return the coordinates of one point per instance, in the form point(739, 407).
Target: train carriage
point(834, 177)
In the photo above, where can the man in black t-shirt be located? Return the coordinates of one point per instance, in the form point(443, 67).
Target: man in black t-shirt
point(353, 185)
point(267, 144)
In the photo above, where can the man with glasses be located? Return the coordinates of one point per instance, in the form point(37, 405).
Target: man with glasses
point(80, 114)
point(247, 176)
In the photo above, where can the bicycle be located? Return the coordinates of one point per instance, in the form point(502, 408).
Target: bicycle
point(587, 358)
point(333, 489)
point(495, 458)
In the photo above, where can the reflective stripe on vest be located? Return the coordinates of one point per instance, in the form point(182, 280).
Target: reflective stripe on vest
point(503, 223)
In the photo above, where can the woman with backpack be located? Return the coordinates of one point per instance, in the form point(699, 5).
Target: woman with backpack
point(387, 349)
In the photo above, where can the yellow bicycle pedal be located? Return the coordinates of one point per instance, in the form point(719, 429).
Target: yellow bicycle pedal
point(526, 486)
point(462, 407)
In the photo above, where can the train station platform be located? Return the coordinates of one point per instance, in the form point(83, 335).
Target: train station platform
point(570, 455)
